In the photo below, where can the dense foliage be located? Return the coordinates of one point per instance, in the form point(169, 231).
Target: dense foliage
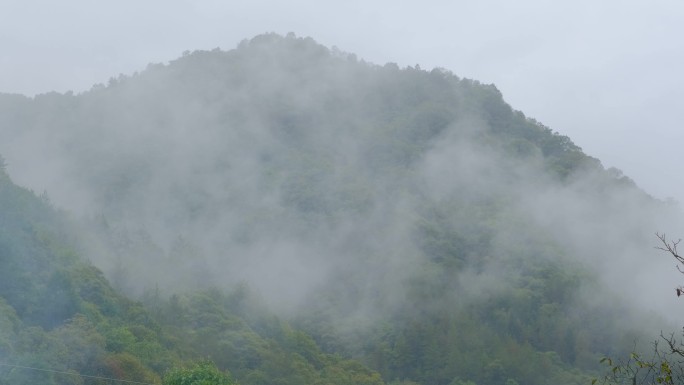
point(203, 373)
point(297, 216)
point(59, 314)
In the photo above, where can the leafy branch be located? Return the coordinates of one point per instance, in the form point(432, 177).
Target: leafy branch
point(666, 365)
point(663, 367)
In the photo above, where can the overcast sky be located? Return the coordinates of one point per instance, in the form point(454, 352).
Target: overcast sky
point(606, 73)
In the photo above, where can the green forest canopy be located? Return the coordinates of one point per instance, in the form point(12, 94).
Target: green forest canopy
point(296, 215)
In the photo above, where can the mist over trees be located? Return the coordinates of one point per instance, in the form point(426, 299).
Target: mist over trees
point(298, 215)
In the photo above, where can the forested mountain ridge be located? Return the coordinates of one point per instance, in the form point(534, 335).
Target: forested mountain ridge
point(407, 219)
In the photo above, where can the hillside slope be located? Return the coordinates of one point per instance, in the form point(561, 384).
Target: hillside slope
point(409, 219)
point(62, 323)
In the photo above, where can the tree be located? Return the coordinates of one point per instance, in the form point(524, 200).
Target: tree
point(671, 247)
point(201, 373)
point(666, 363)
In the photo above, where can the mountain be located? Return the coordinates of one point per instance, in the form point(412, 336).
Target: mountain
point(295, 213)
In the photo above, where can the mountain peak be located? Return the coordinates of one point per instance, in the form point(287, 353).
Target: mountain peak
point(392, 213)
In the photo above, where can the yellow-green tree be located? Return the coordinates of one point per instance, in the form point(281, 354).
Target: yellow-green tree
point(201, 373)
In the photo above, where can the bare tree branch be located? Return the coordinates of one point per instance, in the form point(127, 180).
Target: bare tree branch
point(671, 247)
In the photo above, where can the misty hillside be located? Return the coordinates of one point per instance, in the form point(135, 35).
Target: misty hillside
point(377, 223)
point(59, 318)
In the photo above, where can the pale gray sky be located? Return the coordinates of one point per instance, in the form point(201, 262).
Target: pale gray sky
point(606, 73)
